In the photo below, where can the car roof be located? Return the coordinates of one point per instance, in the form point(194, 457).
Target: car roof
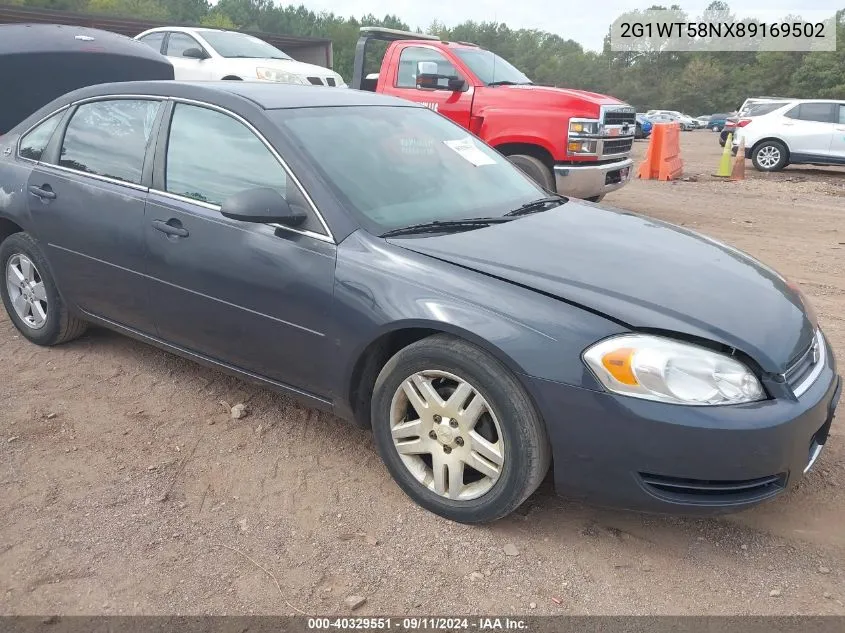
point(192, 28)
point(266, 95)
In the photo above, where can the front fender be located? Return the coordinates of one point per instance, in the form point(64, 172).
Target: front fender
point(500, 127)
point(382, 288)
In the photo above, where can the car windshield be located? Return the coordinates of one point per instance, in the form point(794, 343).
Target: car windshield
point(399, 166)
point(231, 44)
point(490, 68)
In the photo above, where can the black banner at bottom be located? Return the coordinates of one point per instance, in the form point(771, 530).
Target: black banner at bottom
point(403, 624)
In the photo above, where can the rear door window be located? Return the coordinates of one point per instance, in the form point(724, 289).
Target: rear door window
point(819, 112)
point(110, 138)
point(35, 141)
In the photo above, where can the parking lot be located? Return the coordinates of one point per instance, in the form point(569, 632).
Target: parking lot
point(127, 488)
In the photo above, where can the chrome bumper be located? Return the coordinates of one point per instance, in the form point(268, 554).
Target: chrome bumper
point(586, 181)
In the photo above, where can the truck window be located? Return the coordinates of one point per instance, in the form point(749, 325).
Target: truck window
point(411, 56)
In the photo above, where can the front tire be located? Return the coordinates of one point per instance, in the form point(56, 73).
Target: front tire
point(457, 431)
point(770, 156)
point(30, 295)
point(535, 169)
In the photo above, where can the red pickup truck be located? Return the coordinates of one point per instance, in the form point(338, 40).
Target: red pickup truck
point(574, 142)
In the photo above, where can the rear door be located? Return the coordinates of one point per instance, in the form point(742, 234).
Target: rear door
point(808, 130)
point(402, 82)
point(187, 68)
point(87, 198)
point(254, 296)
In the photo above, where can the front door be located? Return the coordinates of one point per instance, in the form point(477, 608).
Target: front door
point(254, 296)
point(87, 202)
point(187, 68)
point(837, 144)
point(456, 105)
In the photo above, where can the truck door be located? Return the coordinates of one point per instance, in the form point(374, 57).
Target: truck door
point(402, 80)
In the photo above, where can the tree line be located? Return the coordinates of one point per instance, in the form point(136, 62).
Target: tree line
point(692, 82)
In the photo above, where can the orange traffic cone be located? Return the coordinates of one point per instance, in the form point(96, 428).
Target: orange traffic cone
point(738, 171)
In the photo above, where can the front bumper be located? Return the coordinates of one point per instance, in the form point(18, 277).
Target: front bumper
point(586, 181)
point(649, 456)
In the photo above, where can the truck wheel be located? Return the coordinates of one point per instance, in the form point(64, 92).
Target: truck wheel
point(535, 169)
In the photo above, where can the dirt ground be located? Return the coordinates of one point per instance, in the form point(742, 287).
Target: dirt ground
point(125, 488)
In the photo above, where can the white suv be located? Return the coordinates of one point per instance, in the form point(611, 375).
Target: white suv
point(199, 54)
point(809, 131)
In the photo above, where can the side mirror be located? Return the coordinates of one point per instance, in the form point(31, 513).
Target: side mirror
point(441, 82)
point(429, 77)
point(457, 84)
point(262, 205)
point(195, 53)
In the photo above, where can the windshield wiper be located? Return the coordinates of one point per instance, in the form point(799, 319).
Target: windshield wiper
point(440, 225)
point(506, 82)
point(537, 205)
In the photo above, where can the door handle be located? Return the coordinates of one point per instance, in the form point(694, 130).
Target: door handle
point(171, 227)
point(44, 192)
point(787, 124)
point(840, 128)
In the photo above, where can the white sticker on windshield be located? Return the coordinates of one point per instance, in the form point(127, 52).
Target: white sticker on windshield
point(467, 148)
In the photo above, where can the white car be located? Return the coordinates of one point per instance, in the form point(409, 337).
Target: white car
point(808, 131)
point(200, 54)
point(687, 123)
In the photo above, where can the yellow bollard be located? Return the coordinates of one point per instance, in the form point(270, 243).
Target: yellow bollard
point(724, 170)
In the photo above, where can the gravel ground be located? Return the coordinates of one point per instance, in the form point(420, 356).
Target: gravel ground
point(125, 486)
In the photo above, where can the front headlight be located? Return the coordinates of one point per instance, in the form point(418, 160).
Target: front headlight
point(656, 368)
point(280, 76)
point(577, 128)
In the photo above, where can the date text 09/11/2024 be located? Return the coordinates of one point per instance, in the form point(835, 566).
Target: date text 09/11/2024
point(419, 624)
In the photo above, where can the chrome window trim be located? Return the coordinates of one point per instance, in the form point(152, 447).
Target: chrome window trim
point(32, 127)
point(808, 382)
point(328, 236)
point(216, 207)
point(114, 181)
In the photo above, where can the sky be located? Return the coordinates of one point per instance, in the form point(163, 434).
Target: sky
point(586, 21)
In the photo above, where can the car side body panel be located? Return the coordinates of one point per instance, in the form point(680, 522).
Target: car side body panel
point(381, 288)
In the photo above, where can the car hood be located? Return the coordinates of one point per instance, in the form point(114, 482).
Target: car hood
point(287, 65)
point(549, 96)
point(646, 274)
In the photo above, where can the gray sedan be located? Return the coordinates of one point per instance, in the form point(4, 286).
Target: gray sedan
point(369, 257)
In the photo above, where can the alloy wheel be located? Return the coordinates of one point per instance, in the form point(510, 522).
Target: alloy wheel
point(26, 291)
point(768, 157)
point(447, 435)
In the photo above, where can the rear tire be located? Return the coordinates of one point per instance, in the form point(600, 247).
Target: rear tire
point(508, 432)
point(36, 307)
point(535, 169)
point(770, 156)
